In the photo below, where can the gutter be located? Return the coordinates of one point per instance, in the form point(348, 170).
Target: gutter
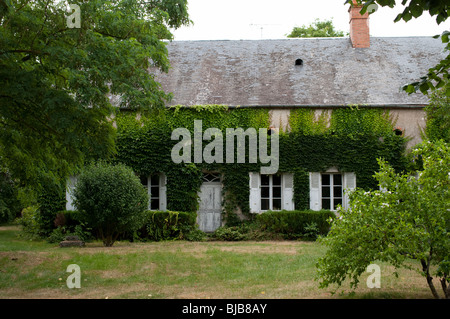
point(328, 106)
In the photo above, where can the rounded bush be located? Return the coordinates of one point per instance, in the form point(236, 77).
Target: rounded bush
point(111, 200)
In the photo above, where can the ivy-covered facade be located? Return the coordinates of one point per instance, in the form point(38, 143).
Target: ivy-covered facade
point(319, 158)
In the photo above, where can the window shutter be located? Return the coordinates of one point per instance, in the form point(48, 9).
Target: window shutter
point(349, 185)
point(288, 191)
point(314, 191)
point(255, 196)
point(71, 183)
point(162, 192)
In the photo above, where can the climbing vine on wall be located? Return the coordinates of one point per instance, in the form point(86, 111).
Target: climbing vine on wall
point(350, 139)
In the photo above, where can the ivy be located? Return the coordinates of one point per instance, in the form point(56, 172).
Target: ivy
point(349, 138)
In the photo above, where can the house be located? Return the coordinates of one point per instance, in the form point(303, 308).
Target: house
point(282, 76)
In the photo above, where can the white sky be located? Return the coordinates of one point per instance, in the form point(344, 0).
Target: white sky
point(273, 19)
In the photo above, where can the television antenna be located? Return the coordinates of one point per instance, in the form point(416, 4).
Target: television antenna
point(261, 26)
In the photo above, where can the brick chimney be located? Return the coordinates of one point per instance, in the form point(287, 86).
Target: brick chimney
point(359, 27)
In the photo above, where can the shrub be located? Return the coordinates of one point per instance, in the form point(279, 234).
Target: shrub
point(68, 218)
point(169, 225)
point(229, 233)
point(192, 233)
point(296, 224)
point(69, 223)
point(51, 200)
point(9, 204)
point(29, 221)
point(111, 199)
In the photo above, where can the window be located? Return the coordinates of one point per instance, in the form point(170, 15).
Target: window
point(155, 185)
point(211, 177)
point(270, 192)
point(331, 191)
point(154, 192)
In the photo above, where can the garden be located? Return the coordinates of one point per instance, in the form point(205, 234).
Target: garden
point(401, 227)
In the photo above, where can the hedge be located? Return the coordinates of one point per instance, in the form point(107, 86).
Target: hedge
point(157, 226)
point(295, 224)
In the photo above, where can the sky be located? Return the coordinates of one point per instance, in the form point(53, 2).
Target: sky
point(273, 19)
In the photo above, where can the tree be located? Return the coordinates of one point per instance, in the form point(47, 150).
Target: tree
point(111, 200)
point(317, 29)
point(57, 78)
point(437, 76)
point(409, 219)
point(438, 116)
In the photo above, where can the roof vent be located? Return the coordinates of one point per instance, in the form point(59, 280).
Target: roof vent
point(299, 62)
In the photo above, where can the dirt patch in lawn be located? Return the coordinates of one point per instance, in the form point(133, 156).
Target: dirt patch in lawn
point(269, 247)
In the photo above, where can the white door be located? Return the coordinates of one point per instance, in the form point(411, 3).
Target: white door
point(209, 215)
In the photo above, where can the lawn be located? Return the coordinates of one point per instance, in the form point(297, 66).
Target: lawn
point(181, 269)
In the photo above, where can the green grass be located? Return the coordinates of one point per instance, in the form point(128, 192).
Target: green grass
point(178, 269)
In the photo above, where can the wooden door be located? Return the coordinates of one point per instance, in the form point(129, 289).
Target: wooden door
point(209, 215)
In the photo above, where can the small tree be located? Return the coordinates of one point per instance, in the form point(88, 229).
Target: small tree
point(438, 116)
point(409, 219)
point(317, 29)
point(111, 200)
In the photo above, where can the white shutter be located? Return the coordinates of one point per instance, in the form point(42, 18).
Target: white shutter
point(255, 194)
point(349, 185)
point(288, 191)
point(71, 182)
point(314, 191)
point(162, 192)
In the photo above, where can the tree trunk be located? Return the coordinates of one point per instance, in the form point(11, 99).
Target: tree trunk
point(110, 239)
point(426, 270)
point(445, 287)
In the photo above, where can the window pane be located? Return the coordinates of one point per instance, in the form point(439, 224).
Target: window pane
point(154, 204)
point(337, 202)
point(337, 191)
point(154, 191)
point(265, 192)
point(325, 179)
point(276, 192)
point(264, 179)
point(276, 204)
point(155, 180)
point(337, 179)
point(325, 203)
point(211, 177)
point(215, 178)
point(276, 180)
point(326, 191)
point(264, 204)
point(144, 180)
